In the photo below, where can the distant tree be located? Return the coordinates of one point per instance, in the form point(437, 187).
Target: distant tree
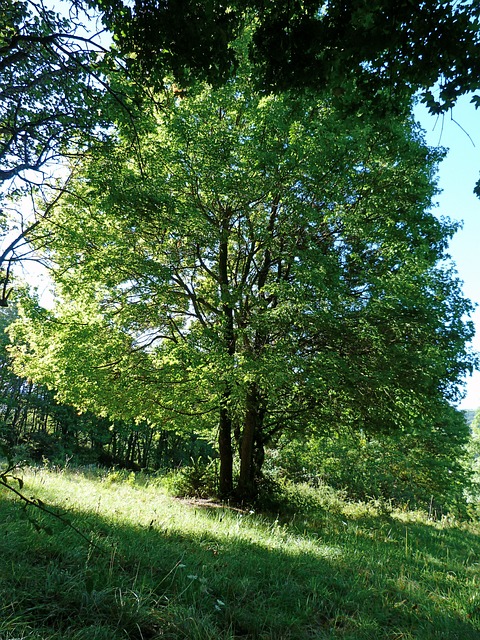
point(271, 267)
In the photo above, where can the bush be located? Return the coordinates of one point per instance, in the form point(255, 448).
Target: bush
point(401, 469)
point(198, 479)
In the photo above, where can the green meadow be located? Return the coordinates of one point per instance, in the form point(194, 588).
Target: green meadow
point(160, 567)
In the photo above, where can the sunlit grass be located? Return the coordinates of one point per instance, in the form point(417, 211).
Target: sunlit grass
point(167, 568)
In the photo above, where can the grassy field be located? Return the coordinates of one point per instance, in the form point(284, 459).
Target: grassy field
point(164, 568)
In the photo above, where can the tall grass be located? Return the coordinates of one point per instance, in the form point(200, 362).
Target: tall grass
point(163, 568)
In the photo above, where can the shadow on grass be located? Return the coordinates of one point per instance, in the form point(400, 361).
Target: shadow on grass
point(232, 575)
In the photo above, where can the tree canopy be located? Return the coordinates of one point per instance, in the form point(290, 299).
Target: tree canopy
point(269, 264)
point(380, 48)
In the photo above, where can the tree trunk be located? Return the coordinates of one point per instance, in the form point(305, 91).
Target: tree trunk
point(147, 448)
point(131, 443)
point(225, 420)
point(251, 445)
point(225, 449)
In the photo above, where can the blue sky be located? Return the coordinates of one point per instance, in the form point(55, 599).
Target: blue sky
point(458, 174)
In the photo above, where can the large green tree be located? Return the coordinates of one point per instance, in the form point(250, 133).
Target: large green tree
point(267, 265)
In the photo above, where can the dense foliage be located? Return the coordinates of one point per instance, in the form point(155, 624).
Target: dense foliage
point(381, 47)
point(425, 466)
point(33, 426)
point(473, 449)
point(367, 56)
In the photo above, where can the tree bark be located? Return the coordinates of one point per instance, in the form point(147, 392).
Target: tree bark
point(251, 445)
point(225, 420)
point(225, 449)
